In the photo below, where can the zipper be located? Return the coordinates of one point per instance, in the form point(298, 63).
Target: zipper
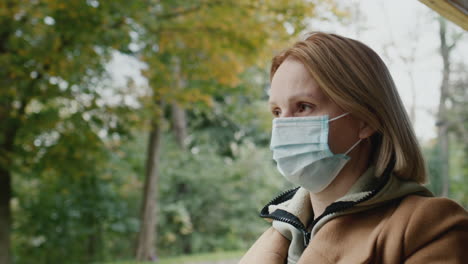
point(340, 207)
point(282, 196)
point(336, 207)
point(284, 216)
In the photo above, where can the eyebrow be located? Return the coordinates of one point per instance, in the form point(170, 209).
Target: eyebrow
point(296, 96)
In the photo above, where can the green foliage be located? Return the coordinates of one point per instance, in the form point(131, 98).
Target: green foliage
point(234, 116)
point(210, 203)
point(458, 142)
point(54, 53)
point(199, 258)
point(207, 203)
point(78, 170)
point(67, 212)
point(458, 170)
point(430, 152)
point(88, 210)
point(214, 41)
point(457, 116)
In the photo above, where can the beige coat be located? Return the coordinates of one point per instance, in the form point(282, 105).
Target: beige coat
point(394, 223)
point(414, 229)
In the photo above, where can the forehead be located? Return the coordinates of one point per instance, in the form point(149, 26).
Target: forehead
point(292, 79)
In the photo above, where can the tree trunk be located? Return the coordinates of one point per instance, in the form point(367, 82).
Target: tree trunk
point(5, 215)
point(179, 120)
point(442, 123)
point(412, 112)
point(5, 186)
point(179, 124)
point(146, 249)
point(11, 127)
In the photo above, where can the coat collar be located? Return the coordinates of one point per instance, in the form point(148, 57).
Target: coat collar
point(294, 207)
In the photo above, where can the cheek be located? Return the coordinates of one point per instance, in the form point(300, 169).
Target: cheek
point(342, 135)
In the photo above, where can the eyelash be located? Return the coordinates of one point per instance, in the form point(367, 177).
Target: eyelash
point(277, 112)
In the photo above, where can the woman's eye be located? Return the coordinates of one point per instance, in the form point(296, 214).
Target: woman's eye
point(304, 107)
point(276, 112)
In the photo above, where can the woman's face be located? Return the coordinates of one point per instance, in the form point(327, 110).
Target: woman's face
point(294, 93)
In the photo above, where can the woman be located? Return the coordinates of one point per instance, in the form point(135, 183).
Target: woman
point(341, 133)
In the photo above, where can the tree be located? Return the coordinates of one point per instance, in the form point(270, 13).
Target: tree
point(457, 113)
point(210, 41)
point(51, 52)
point(407, 57)
point(446, 48)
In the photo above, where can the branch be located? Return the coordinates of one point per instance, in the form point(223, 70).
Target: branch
point(455, 40)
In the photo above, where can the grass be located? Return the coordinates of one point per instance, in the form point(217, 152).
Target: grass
point(189, 258)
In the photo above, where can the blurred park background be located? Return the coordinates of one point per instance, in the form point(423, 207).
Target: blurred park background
point(139, 129)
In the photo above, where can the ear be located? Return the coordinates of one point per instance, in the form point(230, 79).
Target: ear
point(365, 130)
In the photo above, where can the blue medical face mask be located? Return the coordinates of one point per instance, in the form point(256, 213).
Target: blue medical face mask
point(300, 149)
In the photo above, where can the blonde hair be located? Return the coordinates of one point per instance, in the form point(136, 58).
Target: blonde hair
point(356, 79)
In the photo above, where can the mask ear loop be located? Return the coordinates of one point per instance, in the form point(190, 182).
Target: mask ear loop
point(353, 146)
point(340, 116)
